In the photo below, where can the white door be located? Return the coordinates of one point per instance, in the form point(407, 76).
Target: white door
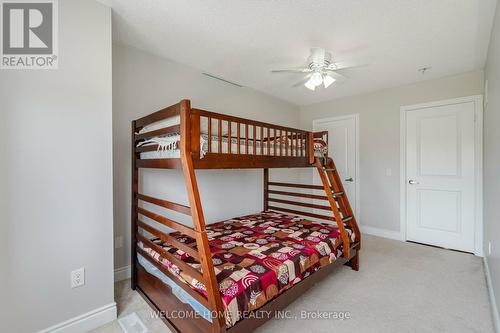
point(440, 175)
point(342, 147)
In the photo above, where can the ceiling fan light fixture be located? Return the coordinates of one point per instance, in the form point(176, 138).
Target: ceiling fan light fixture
point(328, 80)
point(316, 79)
point(310, 85)
point(321, 69)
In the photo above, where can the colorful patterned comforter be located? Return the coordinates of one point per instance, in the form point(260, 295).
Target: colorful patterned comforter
point(257, 257)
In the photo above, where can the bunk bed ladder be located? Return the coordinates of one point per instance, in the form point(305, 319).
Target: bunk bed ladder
point(345, 206)
point(339, 202)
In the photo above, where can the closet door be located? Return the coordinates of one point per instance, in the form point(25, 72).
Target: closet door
point(343, 149)
point(440, 175)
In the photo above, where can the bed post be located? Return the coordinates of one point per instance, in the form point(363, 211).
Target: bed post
point(266, 189)
point(208, 271)
point(310, 147)
point(194, 128)
point(133, 217)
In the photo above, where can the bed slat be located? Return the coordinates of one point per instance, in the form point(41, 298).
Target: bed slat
point(254, 139)
point(167, 112)
point(246, 139)
point(166, 204)
point(300, 144)
point(172, 258)
point(297, 212)
point(286, 143)
point(169, 239)
point(209, 125)
point(296, 144)
point(312, 187)
point(278, 142)
point(167, 222)
point(229, 143)
point(238, 136)
point(268, 142)
point(219, 136)
point(299, 195)
point(262, 140)
point(275, 141)
point(297, 203)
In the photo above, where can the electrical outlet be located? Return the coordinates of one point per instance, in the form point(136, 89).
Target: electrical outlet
point(489, 248)
point(78, 277)
point(118, 242)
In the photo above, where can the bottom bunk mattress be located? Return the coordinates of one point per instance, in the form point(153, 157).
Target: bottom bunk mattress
point(256, 257)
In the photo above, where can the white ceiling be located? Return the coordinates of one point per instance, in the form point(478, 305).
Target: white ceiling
point(242, 41)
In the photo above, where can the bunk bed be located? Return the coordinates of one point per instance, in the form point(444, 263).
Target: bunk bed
point(215, 277)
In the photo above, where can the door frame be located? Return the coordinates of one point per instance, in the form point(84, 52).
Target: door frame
point(354, 116)
point(478, 164)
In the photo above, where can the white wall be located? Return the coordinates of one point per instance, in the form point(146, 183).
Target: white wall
point(58, 175)
point(492, 158)
point(145, 83)
point(379, 137)
point(3, 214)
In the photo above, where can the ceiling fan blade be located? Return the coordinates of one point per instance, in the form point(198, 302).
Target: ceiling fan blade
point(292, 70)
point(336, 66)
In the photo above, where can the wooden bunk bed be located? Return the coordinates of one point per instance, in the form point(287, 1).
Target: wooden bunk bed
point(185, 138)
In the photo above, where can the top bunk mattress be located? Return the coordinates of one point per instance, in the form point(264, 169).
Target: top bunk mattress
point(256, 257)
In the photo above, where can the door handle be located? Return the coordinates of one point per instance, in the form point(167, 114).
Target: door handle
point(349, 180)
point(413, 182)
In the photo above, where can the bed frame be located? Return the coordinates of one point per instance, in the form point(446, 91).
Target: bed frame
point(296, 151)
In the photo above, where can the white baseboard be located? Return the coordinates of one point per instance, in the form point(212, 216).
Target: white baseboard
point(85, 322)
point(123, 273)
point(493, 302)
point(385, 233)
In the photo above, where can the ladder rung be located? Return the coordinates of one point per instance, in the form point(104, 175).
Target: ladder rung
point(337, 194)
point(345, 219)
point(329, 169)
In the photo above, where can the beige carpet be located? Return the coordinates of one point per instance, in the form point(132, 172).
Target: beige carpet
point(401, 287)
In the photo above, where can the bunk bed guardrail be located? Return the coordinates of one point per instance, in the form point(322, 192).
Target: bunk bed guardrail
point(216, 140)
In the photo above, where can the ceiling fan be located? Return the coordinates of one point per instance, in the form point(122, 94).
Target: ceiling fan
point(321, 70)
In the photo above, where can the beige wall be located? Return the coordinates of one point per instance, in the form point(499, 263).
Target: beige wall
point(492, 160)
point(145, 83)
point(58, 176)
point(379, 137)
